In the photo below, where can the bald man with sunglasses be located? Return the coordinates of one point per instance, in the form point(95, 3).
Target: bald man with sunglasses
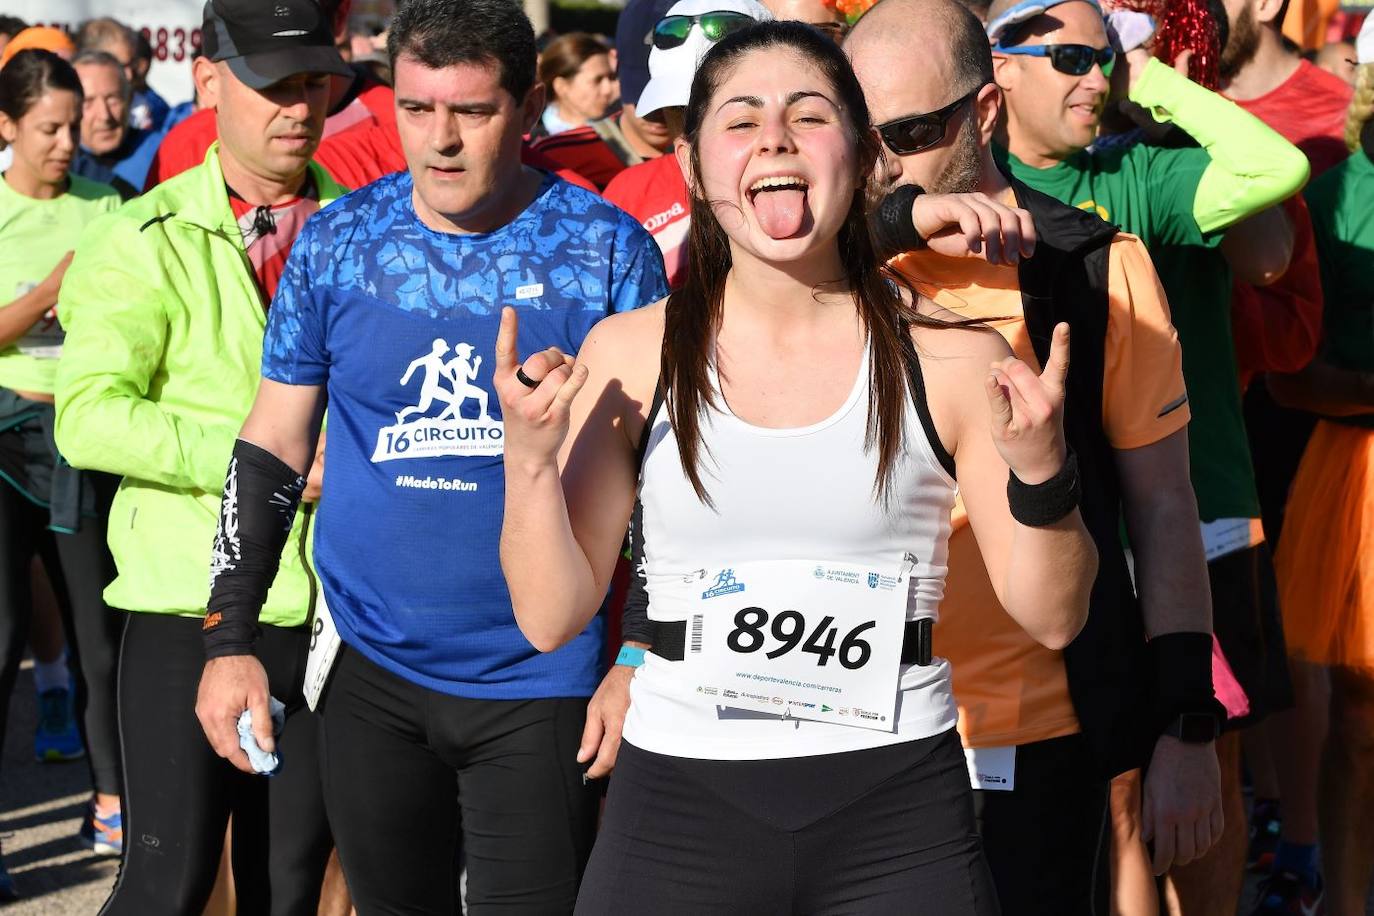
point(1047, 730)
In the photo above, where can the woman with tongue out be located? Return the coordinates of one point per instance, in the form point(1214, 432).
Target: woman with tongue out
point(787, 429)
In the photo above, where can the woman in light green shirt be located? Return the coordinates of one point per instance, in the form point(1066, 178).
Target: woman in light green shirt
point(47, 508)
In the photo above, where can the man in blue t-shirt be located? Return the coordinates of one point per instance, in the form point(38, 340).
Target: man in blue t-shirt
point(440, 720)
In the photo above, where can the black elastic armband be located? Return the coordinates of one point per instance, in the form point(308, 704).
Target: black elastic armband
point(1181, 677)
point(1041, 504)
point(634, 616)
point(894, 232)
point(261, 494)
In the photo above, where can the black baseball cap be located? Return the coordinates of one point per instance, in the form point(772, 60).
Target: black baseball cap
point(634, 39)
point(266, 41)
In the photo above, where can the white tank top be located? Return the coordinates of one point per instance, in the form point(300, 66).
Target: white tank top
point(791, 494)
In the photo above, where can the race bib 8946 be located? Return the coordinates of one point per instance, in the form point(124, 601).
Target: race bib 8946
point(805, 639)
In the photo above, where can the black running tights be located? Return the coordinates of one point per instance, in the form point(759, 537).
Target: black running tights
point(179, 795)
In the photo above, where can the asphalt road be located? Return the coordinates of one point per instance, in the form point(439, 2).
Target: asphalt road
point(41, 806)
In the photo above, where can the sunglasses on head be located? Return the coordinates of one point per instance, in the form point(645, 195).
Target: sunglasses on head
point(1075, 60)
point(914, 133)
point(672, 31)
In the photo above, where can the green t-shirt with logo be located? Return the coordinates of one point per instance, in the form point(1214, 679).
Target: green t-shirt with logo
point(1148, 191)
point(1342, 205)
point(34, 236)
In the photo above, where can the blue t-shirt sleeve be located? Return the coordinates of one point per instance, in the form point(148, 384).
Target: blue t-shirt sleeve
point(637, 274)
point(293, 350)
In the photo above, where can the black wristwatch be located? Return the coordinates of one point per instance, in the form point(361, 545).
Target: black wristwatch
point(1194, 727)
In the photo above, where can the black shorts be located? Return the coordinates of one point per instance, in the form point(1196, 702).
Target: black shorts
point(882, 831)
point(1047, 840)
point(411, 776)
point(1246, 619)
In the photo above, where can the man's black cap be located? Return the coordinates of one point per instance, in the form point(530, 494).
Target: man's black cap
point(634, 37)
point(266, 41)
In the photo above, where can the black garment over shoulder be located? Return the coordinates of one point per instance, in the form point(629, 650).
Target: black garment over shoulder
point(1066, 280)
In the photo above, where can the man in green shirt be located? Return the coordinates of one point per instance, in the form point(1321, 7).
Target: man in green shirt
point(1053, 64)
point(165, 305)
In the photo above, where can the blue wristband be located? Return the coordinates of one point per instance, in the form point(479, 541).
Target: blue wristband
point(633, 656)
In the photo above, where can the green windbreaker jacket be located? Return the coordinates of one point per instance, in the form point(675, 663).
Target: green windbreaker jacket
point(161, 364)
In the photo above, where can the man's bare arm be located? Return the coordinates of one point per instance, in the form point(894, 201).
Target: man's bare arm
point(1166, 538)
point(1182, 813)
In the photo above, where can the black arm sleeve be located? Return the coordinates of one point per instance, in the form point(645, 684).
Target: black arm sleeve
point(891, 225)
point(1181, 676)
point(261, 494)
point(634, 619)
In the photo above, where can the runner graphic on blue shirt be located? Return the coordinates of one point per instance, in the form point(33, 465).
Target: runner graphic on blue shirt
point(433, 364)
point(460, 370)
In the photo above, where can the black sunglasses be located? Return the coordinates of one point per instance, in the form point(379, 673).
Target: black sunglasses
point(1075, 60)
point(672, 31)
point(914, 133)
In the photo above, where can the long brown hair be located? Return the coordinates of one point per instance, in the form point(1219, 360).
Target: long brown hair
point(693, 312)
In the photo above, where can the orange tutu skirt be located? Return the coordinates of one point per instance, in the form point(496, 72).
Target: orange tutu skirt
point(1325, 560)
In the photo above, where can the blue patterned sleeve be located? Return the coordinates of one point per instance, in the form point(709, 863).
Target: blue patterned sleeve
point(293, 350)
point(637, 274)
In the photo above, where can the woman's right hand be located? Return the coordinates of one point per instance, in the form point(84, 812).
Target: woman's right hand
point(536, 418)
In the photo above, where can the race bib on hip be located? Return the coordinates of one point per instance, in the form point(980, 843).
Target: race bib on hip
point(324, 649)
point(1226, 536)
point(802, 639)
point(992, 769)
point(43, 340)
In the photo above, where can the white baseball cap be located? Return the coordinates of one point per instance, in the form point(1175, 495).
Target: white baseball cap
point(1022, 12)
point(671, 71)
point(1364, 42)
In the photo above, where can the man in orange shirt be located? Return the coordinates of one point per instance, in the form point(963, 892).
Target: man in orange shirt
point(1048, 730)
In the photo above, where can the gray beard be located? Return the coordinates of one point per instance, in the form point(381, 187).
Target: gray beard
point(964, 172)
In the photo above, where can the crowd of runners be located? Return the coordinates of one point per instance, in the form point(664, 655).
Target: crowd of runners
point(794, 457)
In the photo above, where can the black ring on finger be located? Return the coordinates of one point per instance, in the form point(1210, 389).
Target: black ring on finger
point(524, 379)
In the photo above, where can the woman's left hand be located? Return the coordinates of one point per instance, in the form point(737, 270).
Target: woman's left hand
point(1028, 412)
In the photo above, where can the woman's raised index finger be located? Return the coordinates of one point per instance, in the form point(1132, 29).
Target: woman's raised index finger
point(506, 360)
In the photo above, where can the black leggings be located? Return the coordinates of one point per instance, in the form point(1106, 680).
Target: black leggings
point(875, 832)
point(409, 771)
point(1047, 840)
point(79, 566)
point(179, 795)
